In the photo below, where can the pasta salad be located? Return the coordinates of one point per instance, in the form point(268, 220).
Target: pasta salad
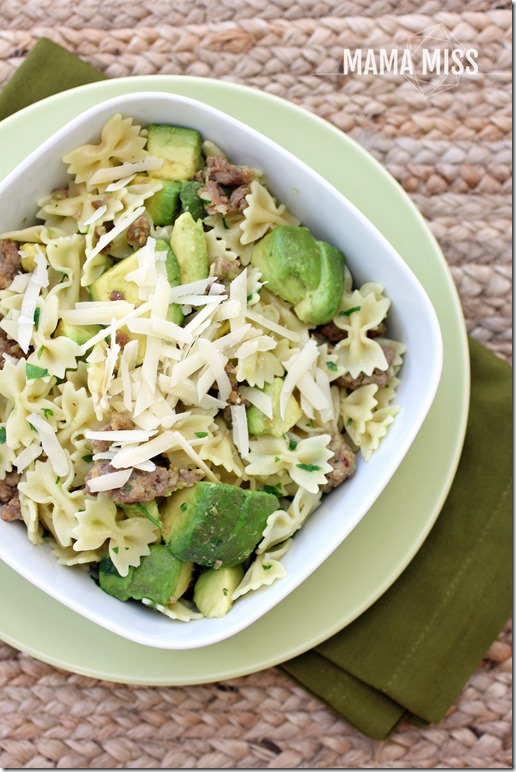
point(186, 371)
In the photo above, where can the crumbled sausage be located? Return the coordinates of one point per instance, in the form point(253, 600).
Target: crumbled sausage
point(117, 422)
point(8, 486)
point(146, 486)
point(237, 199)
point(122, 338)
point(342, 461)
point(138, 232)
point(10, 262)
point(332, 332)
point(219, 177)
point(214, 199)
point(10, 508)
point(8, 347)
point(224, 173)
point(235, 398)
point(225, 270)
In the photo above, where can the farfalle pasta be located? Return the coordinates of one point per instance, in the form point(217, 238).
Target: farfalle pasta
point(186, 372)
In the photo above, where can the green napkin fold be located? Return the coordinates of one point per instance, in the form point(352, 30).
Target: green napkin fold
point(411, 653)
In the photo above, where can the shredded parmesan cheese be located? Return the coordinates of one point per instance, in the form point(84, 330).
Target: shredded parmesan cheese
point(269, 325)
point(97, 214)
point(38, 279)
point(102, 176)
point(240, 430)
point(110, 481)
point(108, 237)
point(51, 445)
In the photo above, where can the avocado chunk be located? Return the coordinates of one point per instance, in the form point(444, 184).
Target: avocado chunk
point(303, 271)
point(79, 333)
point(214, 588)
point(163, 206)
point(258, 423)
point(180, 148)
point(111, 581)
point(188, 243)
point(190, 201)
point(114, 281)
point(160, 577)
point(214, 523)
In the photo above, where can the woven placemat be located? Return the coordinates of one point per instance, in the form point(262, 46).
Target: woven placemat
point(452, 154)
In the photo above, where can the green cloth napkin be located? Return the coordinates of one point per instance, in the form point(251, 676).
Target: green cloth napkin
point(411, 653)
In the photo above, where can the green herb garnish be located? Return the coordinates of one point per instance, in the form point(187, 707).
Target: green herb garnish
point(201, 434)
point(332, 366)
point(37, 312)
point(3, 435)
point(33, 371)
point(148, 515)
point(274, 490)
point(292, 445)
point(309, 467)
point(350, 311)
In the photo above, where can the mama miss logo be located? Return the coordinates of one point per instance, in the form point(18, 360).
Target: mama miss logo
point(432, 61)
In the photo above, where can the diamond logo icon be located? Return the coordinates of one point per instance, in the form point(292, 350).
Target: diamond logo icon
point(432, 51)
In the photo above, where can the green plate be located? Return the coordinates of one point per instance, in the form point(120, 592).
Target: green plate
point(379, 548)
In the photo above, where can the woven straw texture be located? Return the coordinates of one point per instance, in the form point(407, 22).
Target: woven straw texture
point(452, 154)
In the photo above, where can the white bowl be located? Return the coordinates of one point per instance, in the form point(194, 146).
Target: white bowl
point(330, 216)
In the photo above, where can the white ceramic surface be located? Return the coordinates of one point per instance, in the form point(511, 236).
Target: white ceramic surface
point(330, 216)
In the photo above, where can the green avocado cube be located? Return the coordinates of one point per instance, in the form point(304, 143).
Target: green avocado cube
point(163, 205)
point(190, 201)
point(301, 270)
point(188, 243)
point(214, 523)
point(79, 333)
point(161, 577)
point(180, 149)
point(259, 423)
point(113, 284)
point(214, 588)
point(111, 581)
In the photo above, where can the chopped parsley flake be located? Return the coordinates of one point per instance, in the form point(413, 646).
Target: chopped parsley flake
point(309, 467)
point(331, 366)
point(224, 590)
point(58, 480)
point(292, 445)
point(201, 434)
point(183, 507)
point(37, 312)
point(274, 490)
point(267, 567)
point(350, 311)
point(33, 371)
point(88, 459)
point(3, 435)
point(40, 351)
point(47, 411)
point(148, 515)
